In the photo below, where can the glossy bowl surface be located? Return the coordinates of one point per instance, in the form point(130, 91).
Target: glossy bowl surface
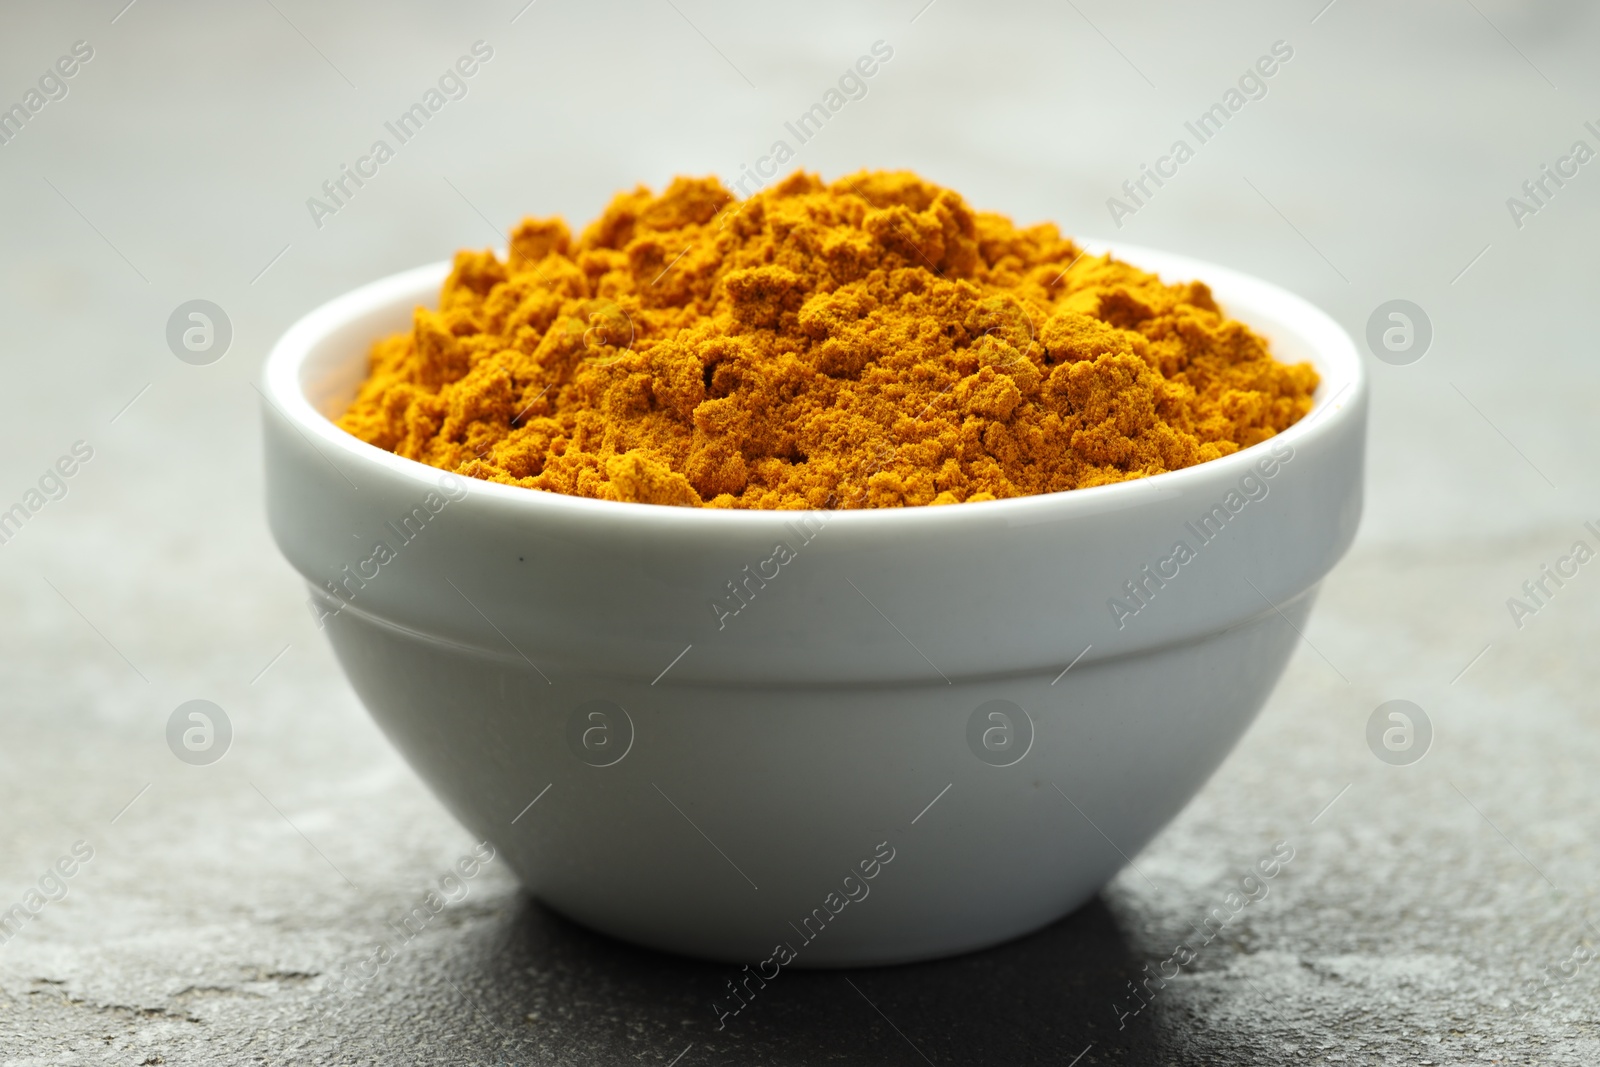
point(812, 738)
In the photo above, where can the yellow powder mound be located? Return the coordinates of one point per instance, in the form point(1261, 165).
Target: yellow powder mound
point(870, 343)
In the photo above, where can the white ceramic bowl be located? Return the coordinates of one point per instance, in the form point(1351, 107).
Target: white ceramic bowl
point(826, 769)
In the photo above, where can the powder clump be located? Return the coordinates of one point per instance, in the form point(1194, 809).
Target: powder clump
point(869, 343)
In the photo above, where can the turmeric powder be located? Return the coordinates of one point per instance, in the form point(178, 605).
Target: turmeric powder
point(870, 343)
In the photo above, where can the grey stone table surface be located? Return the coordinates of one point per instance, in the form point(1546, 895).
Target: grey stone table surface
point(1434, 913)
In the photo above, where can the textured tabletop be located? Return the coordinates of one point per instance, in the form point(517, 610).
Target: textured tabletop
point(1437, 911)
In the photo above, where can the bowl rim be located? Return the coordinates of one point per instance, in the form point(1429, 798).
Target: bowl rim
point(1339, 398)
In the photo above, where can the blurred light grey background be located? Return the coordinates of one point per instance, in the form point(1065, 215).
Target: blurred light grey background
point(1378, 166)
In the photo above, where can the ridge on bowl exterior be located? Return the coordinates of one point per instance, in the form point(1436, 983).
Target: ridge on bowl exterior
point(812, 738)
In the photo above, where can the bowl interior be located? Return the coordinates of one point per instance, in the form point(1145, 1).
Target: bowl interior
point(340, 335)
point(334, 363)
